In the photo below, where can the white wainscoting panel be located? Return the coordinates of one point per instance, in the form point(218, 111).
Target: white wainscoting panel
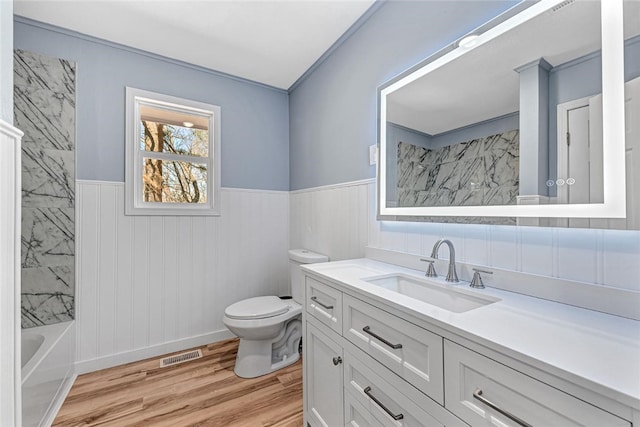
point(10, 261)
point(332, 220)
point(324, 219)
point(148, 285)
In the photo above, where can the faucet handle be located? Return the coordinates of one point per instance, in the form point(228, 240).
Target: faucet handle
point(476, 282)
point(431, 270)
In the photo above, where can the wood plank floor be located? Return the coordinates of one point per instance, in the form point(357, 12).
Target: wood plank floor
point(201, 392)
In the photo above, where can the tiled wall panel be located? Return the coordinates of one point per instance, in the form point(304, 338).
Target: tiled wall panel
point(481, 171)
point(44, 109)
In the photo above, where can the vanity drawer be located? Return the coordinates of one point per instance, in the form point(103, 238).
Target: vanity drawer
point(324, 303)
point(482, 392)
point(382, 400)
point(413, 353)
point(355, 415)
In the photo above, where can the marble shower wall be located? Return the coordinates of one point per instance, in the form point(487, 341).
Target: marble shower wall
point(482, 171)
point(44, 109)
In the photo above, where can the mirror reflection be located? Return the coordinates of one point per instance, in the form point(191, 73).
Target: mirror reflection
point(517, 120)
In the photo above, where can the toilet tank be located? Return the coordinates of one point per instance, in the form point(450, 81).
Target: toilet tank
point(298, 257)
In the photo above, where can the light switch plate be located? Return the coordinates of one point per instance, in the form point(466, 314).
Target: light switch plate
point(373, 154)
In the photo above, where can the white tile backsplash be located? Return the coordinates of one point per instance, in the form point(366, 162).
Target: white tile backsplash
point(603, 257)
point(535, 250)
point(621, 259)
point(577, 254)
point(476, 244)
point(502, 241)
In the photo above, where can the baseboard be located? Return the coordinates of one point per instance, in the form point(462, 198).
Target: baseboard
point(58, 400)
point(85, 366)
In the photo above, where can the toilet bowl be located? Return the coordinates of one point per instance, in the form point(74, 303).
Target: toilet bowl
point(269, 327)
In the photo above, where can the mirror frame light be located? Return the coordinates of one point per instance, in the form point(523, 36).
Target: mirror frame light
point(614, 201)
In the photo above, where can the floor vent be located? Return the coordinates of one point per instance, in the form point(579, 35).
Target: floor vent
point(180, 358)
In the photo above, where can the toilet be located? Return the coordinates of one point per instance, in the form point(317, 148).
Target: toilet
point(270, 327)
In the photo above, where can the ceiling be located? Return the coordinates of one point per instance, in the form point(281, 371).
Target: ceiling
point(268, 41)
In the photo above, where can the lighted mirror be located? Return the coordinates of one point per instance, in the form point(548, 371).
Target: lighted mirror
point(523, 123)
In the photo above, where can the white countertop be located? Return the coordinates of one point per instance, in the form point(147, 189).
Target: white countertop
point(598, 351)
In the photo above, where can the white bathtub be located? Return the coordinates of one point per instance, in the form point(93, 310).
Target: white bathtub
point(47, 371)
point(31, 343)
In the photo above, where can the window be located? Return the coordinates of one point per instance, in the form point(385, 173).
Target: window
point(172, 155)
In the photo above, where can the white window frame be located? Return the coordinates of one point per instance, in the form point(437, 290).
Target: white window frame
point(134, 201)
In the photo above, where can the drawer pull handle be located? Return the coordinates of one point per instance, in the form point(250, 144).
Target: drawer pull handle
point(367, 330)
point(315, 299)
point(478, 395)
point(367, 391)
point(337, 360)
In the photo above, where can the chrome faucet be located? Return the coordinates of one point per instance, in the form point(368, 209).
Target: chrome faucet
point(452, 275)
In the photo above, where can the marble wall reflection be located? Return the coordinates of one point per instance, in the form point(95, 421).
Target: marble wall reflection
point(44, 98)
point(479, 172)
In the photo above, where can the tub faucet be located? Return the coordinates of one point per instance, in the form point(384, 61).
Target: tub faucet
point(452, 275)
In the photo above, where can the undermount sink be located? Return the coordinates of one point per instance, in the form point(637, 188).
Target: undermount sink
point(443, 296)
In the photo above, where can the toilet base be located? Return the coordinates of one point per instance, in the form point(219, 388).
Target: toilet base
point(257, 368)
point(260, 357)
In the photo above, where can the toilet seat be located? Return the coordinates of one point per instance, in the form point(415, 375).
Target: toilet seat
point(257, 308)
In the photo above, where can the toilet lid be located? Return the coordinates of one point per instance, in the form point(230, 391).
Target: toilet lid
point(257, 308)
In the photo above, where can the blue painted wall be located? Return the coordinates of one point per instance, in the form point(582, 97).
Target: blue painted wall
point(333, 111)
point(579, 79)
point(478, 130)
point(6, 61)
point(583, 77)
point(255, 118)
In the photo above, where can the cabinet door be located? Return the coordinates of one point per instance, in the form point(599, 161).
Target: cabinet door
point(324, 370)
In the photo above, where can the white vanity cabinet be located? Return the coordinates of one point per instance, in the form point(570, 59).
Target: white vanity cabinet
point(344, 386)
point(355, 377)
point(368, 364)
